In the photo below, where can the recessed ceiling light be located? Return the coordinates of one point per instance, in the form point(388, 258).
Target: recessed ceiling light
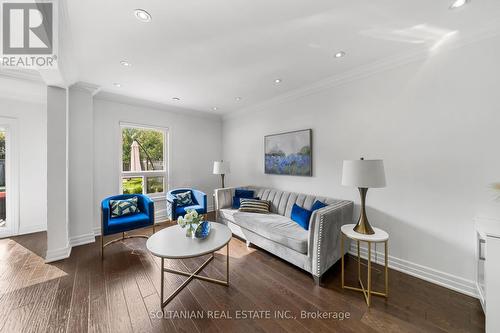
point(176, 98)
point(238, 99)
point(116, 84)
point(339, 54)
point(277, 81)
point(458, 3)
point(125, 63)
point(142, 15)
point(215, 108)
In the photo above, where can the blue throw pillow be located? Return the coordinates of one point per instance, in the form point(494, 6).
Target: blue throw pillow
point(124, 207)
point(184, 199)
point(318, 205)
point(242, 193)
point(301, 216)
point(237, 201)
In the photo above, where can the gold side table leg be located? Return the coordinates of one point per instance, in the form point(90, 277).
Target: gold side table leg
point(386, 272)
point(161, 286)
point(359, 263)
point(342, 256)
point(369, 282)
point(227, 263)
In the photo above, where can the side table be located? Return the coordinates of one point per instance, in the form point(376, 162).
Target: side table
point(380, 236)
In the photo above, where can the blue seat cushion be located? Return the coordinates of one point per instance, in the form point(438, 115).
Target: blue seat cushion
point(181, 211)
point(126, 223)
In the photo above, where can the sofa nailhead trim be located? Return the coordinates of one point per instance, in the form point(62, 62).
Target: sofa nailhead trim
point(319, 245)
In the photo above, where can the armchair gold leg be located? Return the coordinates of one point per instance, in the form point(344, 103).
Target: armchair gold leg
point(102, 237)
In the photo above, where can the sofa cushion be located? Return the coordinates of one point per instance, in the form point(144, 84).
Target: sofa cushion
point(282, 201)
point(318, 205)
point(301, 216)
point(277, 228)
point(126, 223)
point(184, 199)
point(228, 214)
point(243, 193)
point(237, 201)
point(124, 207)
point(254, 206)
point(181, 211)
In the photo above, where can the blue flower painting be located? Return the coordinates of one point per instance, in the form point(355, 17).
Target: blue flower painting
point(289, 153)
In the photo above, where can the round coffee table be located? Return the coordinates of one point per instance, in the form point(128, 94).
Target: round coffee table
point(172, 243)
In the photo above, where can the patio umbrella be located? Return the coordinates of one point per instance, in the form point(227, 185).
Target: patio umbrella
point(135, 159)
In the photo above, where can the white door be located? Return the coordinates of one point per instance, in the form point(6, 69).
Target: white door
point(8, 178)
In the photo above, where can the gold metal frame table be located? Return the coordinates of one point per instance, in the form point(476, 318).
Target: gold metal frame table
point(380, 236)
point(172, 243)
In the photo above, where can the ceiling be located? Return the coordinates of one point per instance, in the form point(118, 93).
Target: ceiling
point(208, 53)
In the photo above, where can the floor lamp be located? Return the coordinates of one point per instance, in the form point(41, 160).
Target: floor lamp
point(221, 168)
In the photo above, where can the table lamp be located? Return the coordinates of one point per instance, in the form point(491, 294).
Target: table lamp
point(363, 174)
point(221, 168)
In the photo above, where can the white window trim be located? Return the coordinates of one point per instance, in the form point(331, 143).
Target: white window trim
point(11, 176)
point(160, 196)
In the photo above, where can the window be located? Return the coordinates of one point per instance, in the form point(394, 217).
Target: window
point(143, 160)
point(3, 211)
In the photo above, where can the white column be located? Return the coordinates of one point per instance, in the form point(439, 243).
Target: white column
point(81, 163)
point(57, 174)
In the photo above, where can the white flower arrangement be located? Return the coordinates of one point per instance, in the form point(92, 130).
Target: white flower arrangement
point(191, 220)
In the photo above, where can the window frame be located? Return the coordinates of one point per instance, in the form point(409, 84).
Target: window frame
point(147, 173)
point(10, 126)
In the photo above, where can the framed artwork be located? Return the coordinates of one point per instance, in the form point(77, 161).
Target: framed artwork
point(288, 153)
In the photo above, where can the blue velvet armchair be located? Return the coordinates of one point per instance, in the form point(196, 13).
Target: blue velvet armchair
point(113, 225)
point(174, 210)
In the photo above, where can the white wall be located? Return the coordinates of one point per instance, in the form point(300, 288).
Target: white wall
point(81, 165)
point(195, 142)
point(25, 101)
point(435, 122)
point(58, 246)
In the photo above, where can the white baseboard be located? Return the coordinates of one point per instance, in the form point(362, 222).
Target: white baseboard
point(82, 239)
point(58, 254)
point(464, 286)
point(31, 229)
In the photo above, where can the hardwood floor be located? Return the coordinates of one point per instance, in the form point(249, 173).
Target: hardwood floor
point(121, 294)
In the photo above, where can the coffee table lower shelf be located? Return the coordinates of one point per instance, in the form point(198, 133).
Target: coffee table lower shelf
point(191, 276)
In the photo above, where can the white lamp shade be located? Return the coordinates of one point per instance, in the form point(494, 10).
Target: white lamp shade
point(221, 168)
point(363, 173)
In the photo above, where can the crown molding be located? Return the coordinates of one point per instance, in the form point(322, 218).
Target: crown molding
point(124, 99)
point(20, 74)
point(86, 87)
point(27, 88)
point(492, 30)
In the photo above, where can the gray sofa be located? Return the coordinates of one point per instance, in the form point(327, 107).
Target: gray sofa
point(314, 250)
